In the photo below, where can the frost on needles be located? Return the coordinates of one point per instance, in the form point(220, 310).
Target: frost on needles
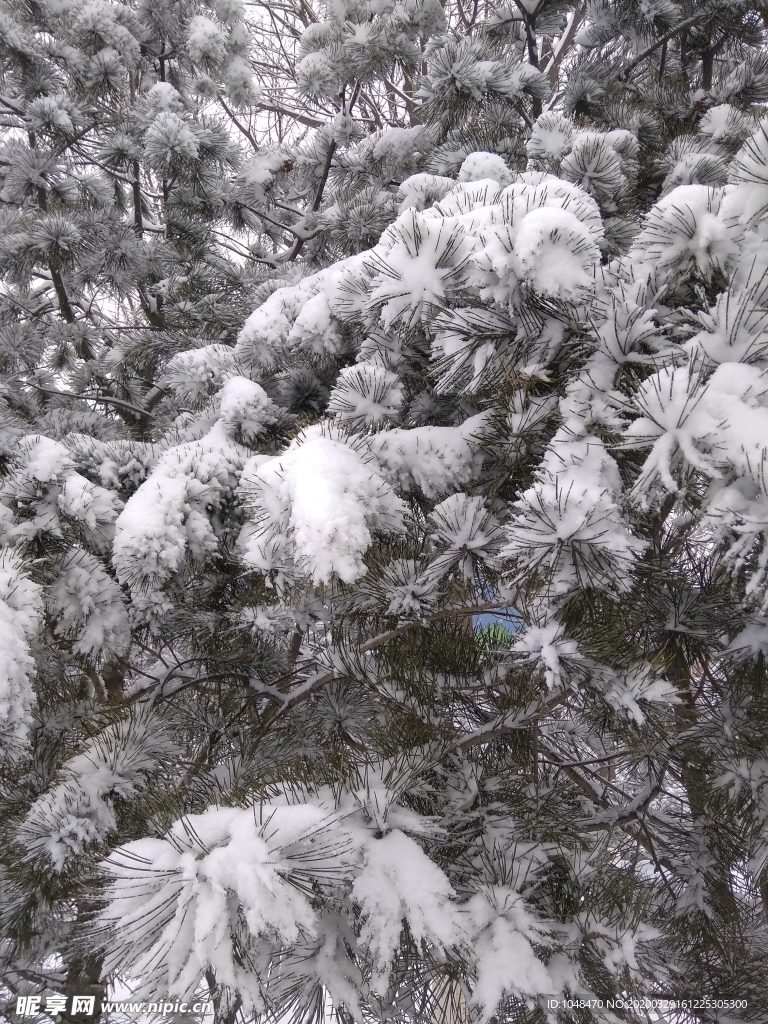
point(317, 354)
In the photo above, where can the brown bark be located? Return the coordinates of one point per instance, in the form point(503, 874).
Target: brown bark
point(83, 980)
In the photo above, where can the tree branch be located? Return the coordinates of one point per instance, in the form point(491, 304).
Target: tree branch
point(118, 402)
point(305, 119)
point(299, 245)
point(669, 34)
point(241, 127)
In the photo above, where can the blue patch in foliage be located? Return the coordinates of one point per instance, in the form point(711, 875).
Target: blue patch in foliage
point(509, 618)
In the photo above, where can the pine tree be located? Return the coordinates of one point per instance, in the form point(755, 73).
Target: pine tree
point(325, 335)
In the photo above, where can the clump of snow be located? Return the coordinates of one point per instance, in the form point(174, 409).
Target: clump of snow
point(53, 498)
point(569, 523)
point(399, 882)
point(623, 690)
point(48, 112)
point(366, 395)
point(479, 166)
point(315, 329)
point(79, 810)
point(414, 266)
point(750, 165)
point(548, 647)
point(119, 464)
point(465, 533)
point(685, 228)
point(221, 881)
point(551, 138)
point(436, 460)
point(88, 607)
point(45, 460)
point(205, 41)
point(725, 123)
point(246, 410)
point(734, 330)
point(280, 323)
point(316, 505)
point(503, 939)
point(170, 137)
point(427, 17)
point(316, 75)
point(673, 422)
point(169, 518)
point(193, 375)
point(556, 253)
point(21, 609)
point(545, 238)
point(257, 174)
point(408, 591)
point(422, 190)
point(399, 146)
point(230, 12)
point(106, 22)
point(593, 164)
point(163, 96)
point(93, 507)
point(241, 88)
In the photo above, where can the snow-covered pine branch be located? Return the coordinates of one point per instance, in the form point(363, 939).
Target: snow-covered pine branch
point(383, 507)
